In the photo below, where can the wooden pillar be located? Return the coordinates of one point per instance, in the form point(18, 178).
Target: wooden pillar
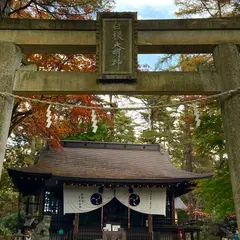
point(227, 63)
point(150, 223)
point(76, 226)
point(173, 210)
point(10, 60)
point(129, 217)
point(170, 214)
point(198, 235)
point(41, 201)
point(168, 208)
point(19, 206)
point(27, 206)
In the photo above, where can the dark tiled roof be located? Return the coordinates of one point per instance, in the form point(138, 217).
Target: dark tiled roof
point(109, 161)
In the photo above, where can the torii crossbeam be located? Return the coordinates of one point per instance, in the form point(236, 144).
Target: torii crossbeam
point(117, 38)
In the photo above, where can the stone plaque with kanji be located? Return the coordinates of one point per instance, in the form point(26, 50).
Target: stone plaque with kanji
point(116, 55)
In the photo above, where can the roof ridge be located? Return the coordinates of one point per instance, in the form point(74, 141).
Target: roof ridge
point(112, 145)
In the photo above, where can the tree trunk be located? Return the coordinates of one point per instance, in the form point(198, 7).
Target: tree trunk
point(188, 145)
point(4, 8)
point(112, 115)
point(219, 8)
point(188, 157)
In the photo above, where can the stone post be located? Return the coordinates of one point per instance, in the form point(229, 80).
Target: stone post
point(227, 63)
point(10, 60)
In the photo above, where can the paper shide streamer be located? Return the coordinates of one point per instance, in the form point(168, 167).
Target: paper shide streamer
point(80, 120)
point(49, 117)
point(197, 115)
point(94, 121)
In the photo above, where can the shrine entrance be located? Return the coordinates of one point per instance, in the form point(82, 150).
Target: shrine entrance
point(88, 205)
point(117, 39)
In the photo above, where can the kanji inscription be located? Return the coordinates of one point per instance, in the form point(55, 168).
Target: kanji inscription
point(117, 51)
point(81, 200)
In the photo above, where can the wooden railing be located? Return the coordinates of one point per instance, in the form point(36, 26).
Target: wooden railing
point(139, 235)
point(84, 234)
point(165, 236)
point(159, 222)
point(92, 234)
point(55, 236)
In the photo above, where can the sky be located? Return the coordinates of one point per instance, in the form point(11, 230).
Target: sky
point(147, 9)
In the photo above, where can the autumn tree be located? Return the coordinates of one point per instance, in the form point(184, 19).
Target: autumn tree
point(55, 9)
point(215, 195)
point(32, 116)
point(28, 130)
point(201, 8)
point(207, 8)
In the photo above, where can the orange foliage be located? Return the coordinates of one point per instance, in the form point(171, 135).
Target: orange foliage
point(58, 9)
point(65, 121)
point(30, 117)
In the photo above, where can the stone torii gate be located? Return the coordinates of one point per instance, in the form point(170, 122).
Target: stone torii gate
point(117, 38)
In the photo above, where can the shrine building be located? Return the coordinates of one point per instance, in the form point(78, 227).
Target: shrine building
point(94, 189)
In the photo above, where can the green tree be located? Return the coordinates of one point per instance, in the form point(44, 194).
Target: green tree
point(19, 153)
point(120, 129)
point(206, 8)
point(24, 144)
point(123, 128)
point(55, 9)
point(216, 194)
point(210, 143)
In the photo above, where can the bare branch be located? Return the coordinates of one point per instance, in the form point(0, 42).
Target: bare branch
point(17, 121)
point(207, 9)
point(21, 8)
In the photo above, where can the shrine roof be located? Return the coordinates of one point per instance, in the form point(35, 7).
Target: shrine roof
point(108, 162)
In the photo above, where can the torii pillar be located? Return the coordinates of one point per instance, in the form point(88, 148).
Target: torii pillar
point(227, 63)
point(10, 60)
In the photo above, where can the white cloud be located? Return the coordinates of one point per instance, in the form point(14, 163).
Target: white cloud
point(147, 9)
point(130, 5)
point(140, 17)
